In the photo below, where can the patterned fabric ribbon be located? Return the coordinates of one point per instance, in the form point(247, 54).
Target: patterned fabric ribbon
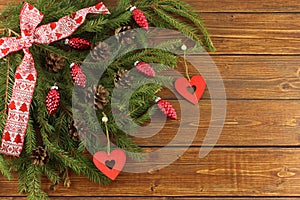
point(26, 75)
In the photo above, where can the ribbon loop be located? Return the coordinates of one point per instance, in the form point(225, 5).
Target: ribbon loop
point(26, 75)
point(30, 18)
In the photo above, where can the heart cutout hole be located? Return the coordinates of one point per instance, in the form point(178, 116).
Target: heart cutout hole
point(191, 89)
point(110, 164)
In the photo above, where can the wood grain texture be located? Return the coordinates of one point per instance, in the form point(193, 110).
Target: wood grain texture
point(245, 6)
point(257, 154)
point(248, 77)
point(147, 198)
point(248, 123)
point(225, 172)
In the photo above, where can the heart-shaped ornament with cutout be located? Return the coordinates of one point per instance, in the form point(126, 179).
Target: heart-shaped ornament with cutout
point(110, 165)
point(197, 83)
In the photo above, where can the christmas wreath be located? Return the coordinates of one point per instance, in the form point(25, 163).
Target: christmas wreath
point(43, 47)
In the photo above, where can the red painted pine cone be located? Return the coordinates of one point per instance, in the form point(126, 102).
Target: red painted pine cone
point(53, 100)
point(145, 69)
point(78, 75)
point(139, 17)
point(166, 108)
point(78, 43)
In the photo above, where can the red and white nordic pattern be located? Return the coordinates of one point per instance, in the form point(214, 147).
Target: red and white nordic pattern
point(25, 76)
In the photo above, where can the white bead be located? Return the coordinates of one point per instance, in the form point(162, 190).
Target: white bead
point(157, 99)
point(132, 8)
point(184, 47)
point(54, 87)
point(104, 119)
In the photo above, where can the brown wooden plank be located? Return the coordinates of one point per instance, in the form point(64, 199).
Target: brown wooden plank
point(239, 33)
point(224, 172)
point(249, 25)
point(149, 198)
point(247, 77)
point(245, 6)
point(238, 45)
point(3, 3)
point(232, 5)
point(248, 123)
point(255, 21)
point(254, 33)
point(248, 33)
point(240, 42)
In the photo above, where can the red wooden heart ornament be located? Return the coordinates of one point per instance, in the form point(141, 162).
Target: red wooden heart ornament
point(101, 158)
point(182, 85)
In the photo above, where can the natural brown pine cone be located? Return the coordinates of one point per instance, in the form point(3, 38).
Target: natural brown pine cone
point(124, 35)
point(101, 97)
point(72, 130)
point(122, 79)
point(100, 52)
point(54, 62)
point(39, 156)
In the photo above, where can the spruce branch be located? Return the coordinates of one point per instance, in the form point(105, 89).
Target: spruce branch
point(34, 183)
point(51, 131)
point(196, 20)
point(61, 155)
point(4, 168)
point(30, 135)
point(186, 29)
point(51, 173)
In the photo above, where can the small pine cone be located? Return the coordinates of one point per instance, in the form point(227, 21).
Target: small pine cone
point(122, 79)
point(54, 62)
point(101, 97)
point(124, 35)
point(39, 156)
point(73, 130)
point(101, 51)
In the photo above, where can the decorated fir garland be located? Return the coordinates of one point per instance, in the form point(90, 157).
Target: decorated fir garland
point(42, 50)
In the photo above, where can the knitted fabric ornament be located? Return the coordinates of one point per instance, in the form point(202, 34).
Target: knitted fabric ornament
point(139, 17)
point(145, 69)
point(78, 43)
point(52, 100)
point(166, 108)
point(78, 75)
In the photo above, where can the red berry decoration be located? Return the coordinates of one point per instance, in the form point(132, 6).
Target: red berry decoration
point(166, 108)
point(78, 43)
point(52, 100)
point(78, 75)
point(145, 69)
point(139, 17)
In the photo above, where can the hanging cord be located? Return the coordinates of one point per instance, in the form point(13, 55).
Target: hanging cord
point(184, 48)
point(105, 120)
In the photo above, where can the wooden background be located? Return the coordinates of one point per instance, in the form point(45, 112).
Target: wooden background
point(258, 154)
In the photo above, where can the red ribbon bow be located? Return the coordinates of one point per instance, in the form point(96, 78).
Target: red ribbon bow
point(26, 75)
